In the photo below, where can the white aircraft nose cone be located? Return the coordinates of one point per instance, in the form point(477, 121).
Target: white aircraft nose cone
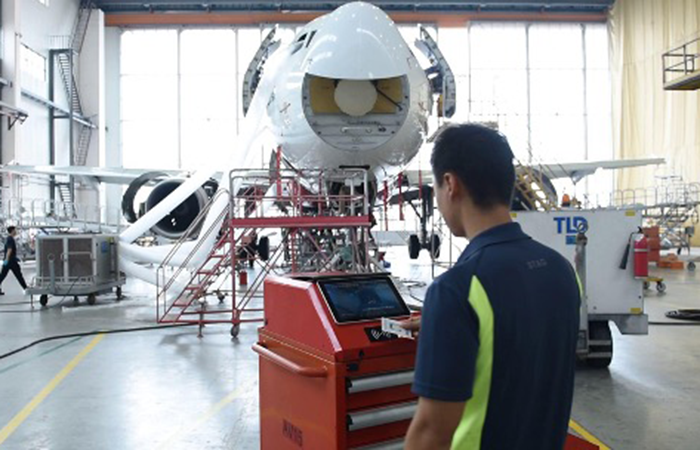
point(355, 97)
point(357, 41)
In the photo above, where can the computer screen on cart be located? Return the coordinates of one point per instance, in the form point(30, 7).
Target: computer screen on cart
point(357, 299)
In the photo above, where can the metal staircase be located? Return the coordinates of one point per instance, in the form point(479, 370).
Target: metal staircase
point(64, 192)
point(63, 58)
point(322, 231)
point(216, 265)
point(673, 207)
point(531, 189)
point(81, 24)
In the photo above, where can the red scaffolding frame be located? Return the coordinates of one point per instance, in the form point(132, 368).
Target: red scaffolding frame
point(323, 217)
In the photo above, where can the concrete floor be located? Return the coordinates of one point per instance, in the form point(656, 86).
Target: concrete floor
point(168, 389)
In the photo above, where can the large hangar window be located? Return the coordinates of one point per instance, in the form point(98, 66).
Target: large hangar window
point(149, 101)
point(547, 86)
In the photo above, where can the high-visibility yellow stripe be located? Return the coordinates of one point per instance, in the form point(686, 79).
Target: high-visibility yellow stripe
point(469, 431)
point(16, 421)
point(586, 435)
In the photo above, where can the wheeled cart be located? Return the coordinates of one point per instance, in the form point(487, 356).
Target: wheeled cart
point(75, 265)
point(612, 292)
point(660, 285)
point(330, 377)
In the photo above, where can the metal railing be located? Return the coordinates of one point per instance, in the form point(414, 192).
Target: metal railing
point(169, 289)
point(681, 61)
point(306, 192)
point(41, 213)
point(674, 194)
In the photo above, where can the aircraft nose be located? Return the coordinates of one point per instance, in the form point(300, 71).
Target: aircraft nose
point(357, 42)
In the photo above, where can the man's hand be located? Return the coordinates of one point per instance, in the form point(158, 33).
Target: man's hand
point(434, 424)
point(412, 324)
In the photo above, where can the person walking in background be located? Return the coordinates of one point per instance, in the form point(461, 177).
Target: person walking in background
point(11, 261)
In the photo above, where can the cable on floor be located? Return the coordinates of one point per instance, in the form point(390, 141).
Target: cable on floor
point(684, 314)
point(691, 316)
point(93, 333)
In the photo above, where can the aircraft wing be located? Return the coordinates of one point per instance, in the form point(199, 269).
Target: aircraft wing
point(110, 175)
point(579, 170)
point(574, 170)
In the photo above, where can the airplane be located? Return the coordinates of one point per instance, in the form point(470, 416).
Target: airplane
point(323, 106)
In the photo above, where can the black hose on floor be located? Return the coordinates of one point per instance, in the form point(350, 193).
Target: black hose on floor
point(684, 314)
point(691, 317)
point(93, 333)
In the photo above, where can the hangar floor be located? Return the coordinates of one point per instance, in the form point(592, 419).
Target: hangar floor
point(168, 389)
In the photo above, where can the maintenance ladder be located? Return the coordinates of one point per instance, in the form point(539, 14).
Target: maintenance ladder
point(322, 217)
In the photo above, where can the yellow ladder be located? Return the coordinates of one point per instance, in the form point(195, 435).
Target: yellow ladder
point(530, 184)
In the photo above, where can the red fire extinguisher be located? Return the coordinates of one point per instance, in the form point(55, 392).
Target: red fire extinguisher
point(641, 256)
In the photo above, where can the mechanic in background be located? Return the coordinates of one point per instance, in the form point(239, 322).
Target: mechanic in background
point(11, 261)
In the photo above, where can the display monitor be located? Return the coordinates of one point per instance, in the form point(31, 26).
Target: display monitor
point(354, 299)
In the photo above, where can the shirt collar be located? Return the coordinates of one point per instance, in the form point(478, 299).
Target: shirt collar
point(493, 236)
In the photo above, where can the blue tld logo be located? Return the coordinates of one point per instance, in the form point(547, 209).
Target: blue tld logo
point(570, 226)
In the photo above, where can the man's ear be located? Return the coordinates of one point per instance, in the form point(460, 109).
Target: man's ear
point(453, 186)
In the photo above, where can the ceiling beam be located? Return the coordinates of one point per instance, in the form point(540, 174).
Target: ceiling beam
point(307, 6)
point(443, 20)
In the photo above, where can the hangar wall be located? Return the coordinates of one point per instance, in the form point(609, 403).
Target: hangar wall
point(30, 29)
point(648, 120)
point(33, 24)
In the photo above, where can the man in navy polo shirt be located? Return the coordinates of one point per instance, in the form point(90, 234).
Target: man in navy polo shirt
point(497, 343)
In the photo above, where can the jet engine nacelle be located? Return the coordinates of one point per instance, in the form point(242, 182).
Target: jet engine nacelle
point(173, 225)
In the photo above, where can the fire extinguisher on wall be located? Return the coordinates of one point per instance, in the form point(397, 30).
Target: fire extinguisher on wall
point(640, 245)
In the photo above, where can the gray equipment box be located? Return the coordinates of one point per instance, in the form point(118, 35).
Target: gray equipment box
point(76, 264)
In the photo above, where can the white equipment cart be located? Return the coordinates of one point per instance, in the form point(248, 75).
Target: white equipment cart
point(75, 265)
point(612, 294)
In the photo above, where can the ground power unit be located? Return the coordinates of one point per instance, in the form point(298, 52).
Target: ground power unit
point(612, 293)
point(76, 265)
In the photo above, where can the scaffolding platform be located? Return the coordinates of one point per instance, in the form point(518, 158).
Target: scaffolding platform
point(282, 221)
point(681, 67)
point(673, 207)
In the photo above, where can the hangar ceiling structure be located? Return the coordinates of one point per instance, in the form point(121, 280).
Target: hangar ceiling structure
point(458, 6)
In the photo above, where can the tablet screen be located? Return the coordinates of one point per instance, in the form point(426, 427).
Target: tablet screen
point(356, 299)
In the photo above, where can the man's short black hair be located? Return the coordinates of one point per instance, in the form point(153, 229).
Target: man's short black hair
point(480, 158)
point(11, 229)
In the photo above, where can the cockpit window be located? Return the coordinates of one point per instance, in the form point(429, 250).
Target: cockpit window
point(311, 36)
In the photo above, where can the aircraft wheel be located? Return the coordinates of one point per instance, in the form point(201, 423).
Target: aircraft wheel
point(235, 330)
point(91, 299)
point(661, 287)
point(691, 265)
point(119, 293)
point(264, 248)
point(43, 299)
point(413, 246)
